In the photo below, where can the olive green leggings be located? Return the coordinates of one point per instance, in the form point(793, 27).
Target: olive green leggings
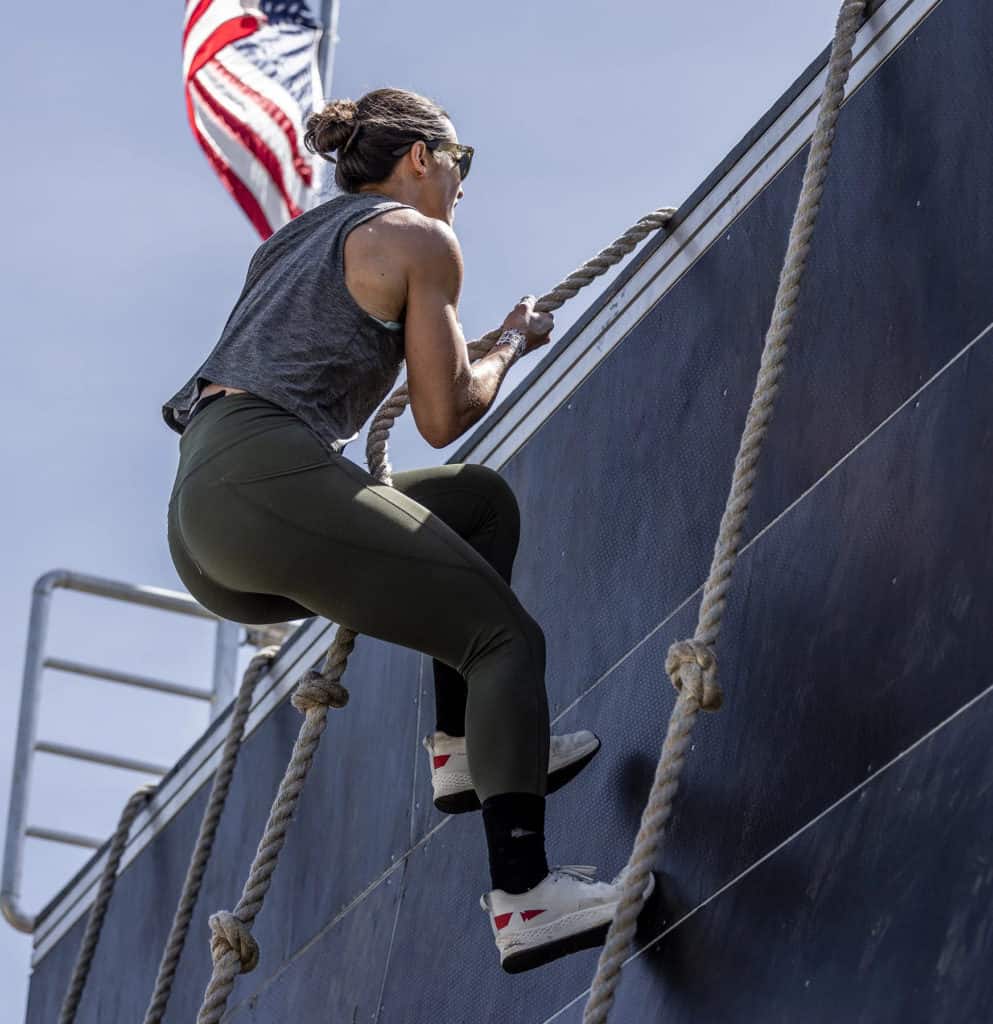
point(266, 525)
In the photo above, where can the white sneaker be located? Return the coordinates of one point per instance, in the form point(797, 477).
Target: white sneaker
point(566, 912)
point(452, 783)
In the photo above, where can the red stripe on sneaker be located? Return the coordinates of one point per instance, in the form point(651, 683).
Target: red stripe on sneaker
point(528, 914)
point(502, 920)
point(440, 760)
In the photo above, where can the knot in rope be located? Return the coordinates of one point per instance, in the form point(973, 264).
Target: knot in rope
point(316, 690)
point(693, 664)
point(229, 934)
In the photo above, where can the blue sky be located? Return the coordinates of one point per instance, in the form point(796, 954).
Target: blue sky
point(125, 255)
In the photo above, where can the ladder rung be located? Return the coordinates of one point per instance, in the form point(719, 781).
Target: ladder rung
point(54, 835)
point(129, 678)
point(80, 754)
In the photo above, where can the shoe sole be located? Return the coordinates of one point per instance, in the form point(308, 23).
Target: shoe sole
point(467, 800)
point(592, 935)
point(538, 956)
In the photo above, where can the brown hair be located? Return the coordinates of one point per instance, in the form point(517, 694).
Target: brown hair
point(366, 132)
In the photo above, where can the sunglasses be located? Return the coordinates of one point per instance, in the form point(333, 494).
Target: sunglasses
point(463, 154)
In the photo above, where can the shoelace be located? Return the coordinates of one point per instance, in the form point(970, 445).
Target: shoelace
point(584, 872)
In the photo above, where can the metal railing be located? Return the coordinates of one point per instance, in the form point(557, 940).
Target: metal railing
point(227, 641)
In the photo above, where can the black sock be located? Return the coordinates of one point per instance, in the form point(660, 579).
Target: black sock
point(450, 713)
point(517, 862)
point(451, 694)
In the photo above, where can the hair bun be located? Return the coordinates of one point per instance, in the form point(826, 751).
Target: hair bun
point(332, 127)
point(346, 111)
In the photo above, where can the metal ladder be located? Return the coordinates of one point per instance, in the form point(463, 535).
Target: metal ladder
point(228, 639)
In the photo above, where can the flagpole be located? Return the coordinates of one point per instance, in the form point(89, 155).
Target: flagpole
point(323, 171)
point(329, 38)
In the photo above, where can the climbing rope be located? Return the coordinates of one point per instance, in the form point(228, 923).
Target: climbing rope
point(692, 664)
point(233, 948)
point(394, 406)
point(87, 947)
point(257, 668)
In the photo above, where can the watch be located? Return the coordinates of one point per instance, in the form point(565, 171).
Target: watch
point(513, 337)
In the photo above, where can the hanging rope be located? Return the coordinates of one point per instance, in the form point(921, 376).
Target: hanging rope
point(257, 668)
point(692, 664)
point(233, 948)
point(87, 947)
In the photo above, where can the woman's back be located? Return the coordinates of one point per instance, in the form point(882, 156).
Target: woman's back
point(297, 336)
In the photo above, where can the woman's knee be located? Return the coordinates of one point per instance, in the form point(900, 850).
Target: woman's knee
point(498, 534)
point(516, 644)
point(498, 492)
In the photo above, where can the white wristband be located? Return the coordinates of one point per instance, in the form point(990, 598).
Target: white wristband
point(513, 337)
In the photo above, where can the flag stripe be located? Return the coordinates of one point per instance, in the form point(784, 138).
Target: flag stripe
point(221, 10)
point(204, 21)
point(242, 163)
point(201, 6)
point(249, 171)
point(296, 159)
point(250, 139)
point(229, 179)
point(199, 52)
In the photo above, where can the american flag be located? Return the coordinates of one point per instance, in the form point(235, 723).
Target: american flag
point(251, 74)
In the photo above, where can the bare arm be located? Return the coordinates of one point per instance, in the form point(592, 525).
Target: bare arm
point(448, 395)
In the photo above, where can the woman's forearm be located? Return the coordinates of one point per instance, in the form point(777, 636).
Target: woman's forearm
point(484, 384)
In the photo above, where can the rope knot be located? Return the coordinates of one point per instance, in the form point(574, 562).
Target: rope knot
point(315, 690)
point(229, 934)
point(693, 664)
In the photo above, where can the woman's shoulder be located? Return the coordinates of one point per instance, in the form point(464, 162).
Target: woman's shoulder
point(405, 227)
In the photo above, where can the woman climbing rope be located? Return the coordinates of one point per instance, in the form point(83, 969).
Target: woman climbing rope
point(269, 522)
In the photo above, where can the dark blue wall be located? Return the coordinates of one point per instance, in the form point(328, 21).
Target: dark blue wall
point(857, 623)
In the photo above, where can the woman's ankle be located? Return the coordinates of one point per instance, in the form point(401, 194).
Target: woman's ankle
point(515, 837)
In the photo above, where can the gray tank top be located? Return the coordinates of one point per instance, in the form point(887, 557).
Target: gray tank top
point(296, 336)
